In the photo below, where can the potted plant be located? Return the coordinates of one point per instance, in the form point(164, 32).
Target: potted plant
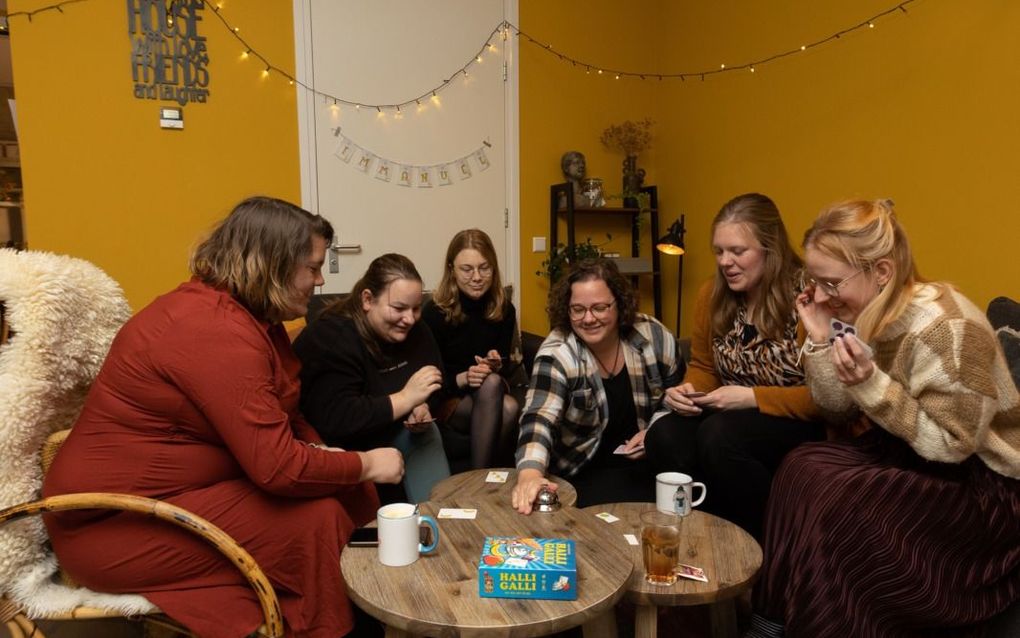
point(561, 256)
point(630, 138)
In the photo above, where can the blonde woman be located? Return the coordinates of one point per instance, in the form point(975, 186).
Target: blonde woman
point(474, 324)
point(912, 528)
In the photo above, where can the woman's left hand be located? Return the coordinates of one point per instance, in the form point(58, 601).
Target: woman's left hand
point(637, 444)
point(420, 419)
point(852, 363)
point(728, 397)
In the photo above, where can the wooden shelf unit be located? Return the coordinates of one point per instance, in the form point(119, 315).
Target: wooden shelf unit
point(634, 265)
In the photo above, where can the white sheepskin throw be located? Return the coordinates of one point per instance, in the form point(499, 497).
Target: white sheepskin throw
point(63, 313)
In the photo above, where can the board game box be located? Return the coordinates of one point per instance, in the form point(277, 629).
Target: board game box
point(516, 567)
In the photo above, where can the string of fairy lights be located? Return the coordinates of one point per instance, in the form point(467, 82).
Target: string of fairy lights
point(500, 33)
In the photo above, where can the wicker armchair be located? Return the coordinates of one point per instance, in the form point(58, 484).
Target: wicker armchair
point(58, 316)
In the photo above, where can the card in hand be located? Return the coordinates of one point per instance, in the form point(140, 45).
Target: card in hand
point(622, 449)
point(839, 328)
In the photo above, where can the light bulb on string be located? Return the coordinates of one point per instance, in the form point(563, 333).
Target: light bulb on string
point(245, 54)
point(265, 72)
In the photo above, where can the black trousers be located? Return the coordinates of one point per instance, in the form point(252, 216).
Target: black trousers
point(734, 452)
point(608, 479)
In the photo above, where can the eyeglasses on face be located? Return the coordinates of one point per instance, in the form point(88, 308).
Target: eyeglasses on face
point(485, 270)
point(599, 310)
point(829, 288)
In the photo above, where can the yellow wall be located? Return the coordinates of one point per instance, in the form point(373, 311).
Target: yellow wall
point(922, 109)
point(562, 109)
point(103, 181)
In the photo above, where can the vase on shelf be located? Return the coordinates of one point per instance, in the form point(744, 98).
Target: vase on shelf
point(633, 180)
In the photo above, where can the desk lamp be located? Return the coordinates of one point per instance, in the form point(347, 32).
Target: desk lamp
point(672, 243)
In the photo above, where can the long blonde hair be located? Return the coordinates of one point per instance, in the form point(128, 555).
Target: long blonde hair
point(774, 309)
point(860, 233)
point(447, 294)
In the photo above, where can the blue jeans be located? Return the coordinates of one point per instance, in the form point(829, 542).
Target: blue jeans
point(424, 461)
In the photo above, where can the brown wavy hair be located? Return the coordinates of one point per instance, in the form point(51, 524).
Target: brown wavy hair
point(860, 233)
point(447, 294)
point(782, 270)
point(255, 252)
point(383, 271)
point(624, 296)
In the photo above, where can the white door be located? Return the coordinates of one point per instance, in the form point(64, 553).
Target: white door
point(387, 52)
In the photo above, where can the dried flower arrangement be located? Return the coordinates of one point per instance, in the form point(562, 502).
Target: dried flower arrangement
point(629, 137)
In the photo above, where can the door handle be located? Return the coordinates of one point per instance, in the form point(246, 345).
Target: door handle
point(337, 247)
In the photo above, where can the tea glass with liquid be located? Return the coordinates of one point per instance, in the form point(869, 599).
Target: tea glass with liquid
point(660, 546)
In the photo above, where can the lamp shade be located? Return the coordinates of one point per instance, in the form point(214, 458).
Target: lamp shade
point(672, 243)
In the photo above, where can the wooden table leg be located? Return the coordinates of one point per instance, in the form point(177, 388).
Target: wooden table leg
point(601, 626)
point(646, 618)
point(724, 619)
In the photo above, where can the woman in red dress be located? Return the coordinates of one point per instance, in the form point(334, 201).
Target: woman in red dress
point(196, 405)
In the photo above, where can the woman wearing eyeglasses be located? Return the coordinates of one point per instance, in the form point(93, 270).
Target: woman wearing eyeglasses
point(474, 324)
point(912, 528)
point(597, 380)
point(743, 404)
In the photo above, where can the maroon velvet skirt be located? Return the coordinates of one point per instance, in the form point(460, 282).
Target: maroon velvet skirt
point(867, 539)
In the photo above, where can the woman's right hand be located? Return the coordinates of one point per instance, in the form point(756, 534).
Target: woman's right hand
point(422, 384)
point(814, 316)
point(529, 483)
point(476, 374)
point(676, 399)
point(382, 465)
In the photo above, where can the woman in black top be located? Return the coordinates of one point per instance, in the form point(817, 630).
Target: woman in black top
point(370, 371)
point(474, 324)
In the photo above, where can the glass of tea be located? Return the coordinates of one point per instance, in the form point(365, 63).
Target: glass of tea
point(660, 546)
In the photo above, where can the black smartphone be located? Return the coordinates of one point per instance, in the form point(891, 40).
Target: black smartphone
point(364, 537)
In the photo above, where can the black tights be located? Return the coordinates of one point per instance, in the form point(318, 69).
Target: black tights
point(489, 414)
point(734, 452)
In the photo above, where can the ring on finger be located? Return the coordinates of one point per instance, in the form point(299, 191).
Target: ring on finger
point(852, 365)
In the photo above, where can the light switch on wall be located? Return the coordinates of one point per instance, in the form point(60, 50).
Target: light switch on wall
point(538, 244)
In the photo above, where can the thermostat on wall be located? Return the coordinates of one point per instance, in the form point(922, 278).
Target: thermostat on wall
point(171, 118)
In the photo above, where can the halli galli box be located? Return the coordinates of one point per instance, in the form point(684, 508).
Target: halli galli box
point(516, 567)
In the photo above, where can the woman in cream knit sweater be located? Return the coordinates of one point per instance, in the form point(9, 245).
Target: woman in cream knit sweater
point(912, 528)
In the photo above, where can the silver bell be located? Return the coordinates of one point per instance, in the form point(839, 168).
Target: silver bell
point(547, 501)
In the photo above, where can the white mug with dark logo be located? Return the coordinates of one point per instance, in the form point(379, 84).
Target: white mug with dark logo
point(400, 536)
point(674, 493)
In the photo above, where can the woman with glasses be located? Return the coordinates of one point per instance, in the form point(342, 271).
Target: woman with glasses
point(598, 379)
point(912, 528)
point(743, 404)
point(370, 371)
point(474, 324)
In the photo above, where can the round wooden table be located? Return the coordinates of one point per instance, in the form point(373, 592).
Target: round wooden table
point(730, 557)
point(470, 486)
point(438, 594)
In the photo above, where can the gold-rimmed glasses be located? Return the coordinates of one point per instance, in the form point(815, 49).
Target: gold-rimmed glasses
point(467, 272)
point(599, 310)
point(829, 288)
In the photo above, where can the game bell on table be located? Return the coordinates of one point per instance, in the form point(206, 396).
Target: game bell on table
point(517, 567)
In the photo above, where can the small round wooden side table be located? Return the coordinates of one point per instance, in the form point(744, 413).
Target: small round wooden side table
point(469, 485)
point(730, 557)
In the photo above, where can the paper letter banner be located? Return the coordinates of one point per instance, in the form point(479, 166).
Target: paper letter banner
point(443, 173)
point(424, 177)
point(482, 160)
point(404, 175)
point(410, 175)
point(365, 160)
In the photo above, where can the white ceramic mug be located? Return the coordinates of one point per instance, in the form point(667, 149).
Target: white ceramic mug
point(400, 536)
point(674, 493)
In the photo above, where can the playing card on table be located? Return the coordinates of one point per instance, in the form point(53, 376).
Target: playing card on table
point(496, 476)
point(691, 572)
point(457, 512)
point(607, 517)
point(632, 539)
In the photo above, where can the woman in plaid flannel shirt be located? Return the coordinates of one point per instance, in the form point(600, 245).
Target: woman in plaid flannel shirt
point(597, 381)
